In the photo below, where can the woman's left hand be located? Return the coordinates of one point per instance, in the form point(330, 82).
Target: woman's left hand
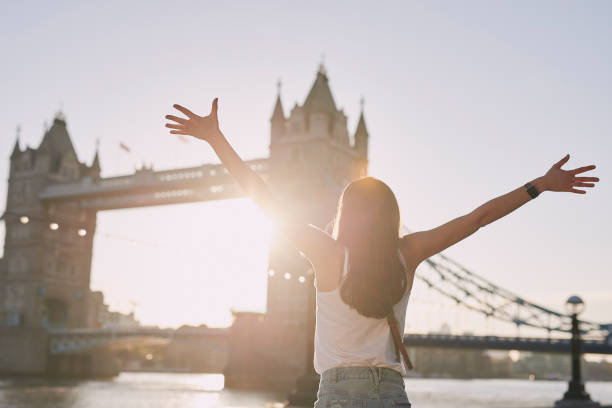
point(557, 179)
point(202, 127)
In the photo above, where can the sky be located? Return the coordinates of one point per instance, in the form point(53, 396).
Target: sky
point(464, 101)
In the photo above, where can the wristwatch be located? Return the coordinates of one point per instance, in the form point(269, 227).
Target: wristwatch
point(533, 192)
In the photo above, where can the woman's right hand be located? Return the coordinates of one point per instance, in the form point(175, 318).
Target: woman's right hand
point(557, 179)
point(201, 127)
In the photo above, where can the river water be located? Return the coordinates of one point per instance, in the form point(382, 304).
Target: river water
point(169, 390)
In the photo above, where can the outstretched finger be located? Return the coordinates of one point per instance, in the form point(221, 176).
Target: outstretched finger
point(177, 119)
point(562, 161)
point(582, 169)
point(580, 184)
point(575, 190)
point(178, 132)
point(186, 111)
point(175, 126)
point(586, 178)
point(215, 104)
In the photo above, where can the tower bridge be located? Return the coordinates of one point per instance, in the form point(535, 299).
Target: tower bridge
point(53, 199)
point(47, 307)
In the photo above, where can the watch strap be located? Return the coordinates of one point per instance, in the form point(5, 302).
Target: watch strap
point(532, 190)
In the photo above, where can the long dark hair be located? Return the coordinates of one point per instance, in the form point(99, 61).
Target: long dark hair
point(368, 223)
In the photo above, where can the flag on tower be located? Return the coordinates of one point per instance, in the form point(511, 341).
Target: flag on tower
point(124, 147)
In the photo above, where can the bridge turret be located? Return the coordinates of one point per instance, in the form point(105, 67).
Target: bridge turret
point(361, 142)
point(95, 165)
point(320, 112)
point(323, 117)
point(16, 150)
point(17, 158)
point(57, 154)
point(278, 122)
point(94, 170)
point(316, 140)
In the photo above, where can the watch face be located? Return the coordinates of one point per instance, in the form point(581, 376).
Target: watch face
point(531, 190)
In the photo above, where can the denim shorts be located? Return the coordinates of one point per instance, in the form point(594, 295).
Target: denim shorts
point(361, 387)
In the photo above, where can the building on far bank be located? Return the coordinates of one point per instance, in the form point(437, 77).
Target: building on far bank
point(100, 317)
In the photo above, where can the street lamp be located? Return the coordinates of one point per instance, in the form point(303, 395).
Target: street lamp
point(574, 305)
point(576, 395)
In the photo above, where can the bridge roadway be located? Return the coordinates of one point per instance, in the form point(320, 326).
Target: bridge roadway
point(72, 340)
point(602, 346)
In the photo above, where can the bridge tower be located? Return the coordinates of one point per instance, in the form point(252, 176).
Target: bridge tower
point(312, 158)
point(311, 146)
point(44, 277)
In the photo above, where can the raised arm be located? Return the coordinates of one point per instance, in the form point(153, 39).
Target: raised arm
point(312, 241)
point(423, 244)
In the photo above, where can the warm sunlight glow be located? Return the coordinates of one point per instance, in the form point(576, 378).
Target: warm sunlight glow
point(184, 263)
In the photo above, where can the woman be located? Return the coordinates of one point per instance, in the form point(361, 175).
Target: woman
point(365, 270)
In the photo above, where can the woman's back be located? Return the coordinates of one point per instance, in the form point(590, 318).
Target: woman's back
point(368, 221)
point(344, 337)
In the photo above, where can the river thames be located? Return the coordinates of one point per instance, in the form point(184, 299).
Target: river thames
point(168, 390)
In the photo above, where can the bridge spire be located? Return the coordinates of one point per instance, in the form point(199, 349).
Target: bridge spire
point(56, 140)
point(322, 69)
point(95, 165)
point(16, 149)
point(278, 113)
point(320, 98)
point(361, 133)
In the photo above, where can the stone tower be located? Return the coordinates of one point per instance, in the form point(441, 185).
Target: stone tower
point(312, 158)
point(44, 277)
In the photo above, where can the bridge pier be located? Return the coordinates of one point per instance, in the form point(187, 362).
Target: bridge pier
point(23, 351)
point(91, 364)
point(264, 354)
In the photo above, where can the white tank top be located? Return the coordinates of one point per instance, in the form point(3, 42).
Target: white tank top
point(344, 337)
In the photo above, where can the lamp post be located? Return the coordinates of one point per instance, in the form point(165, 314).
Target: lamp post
point(576, 395)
